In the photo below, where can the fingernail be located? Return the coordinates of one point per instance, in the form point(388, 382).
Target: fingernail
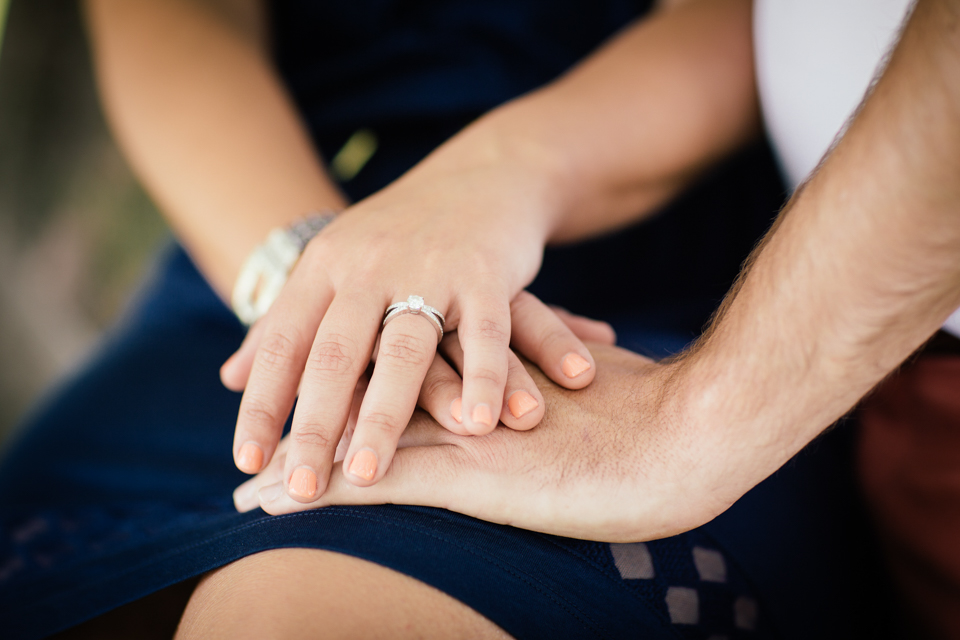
point(245, 496)
point(303, 482)
point(456, 410)
point(270, 493)
point(521, 403)
point(364, 464)
point(481, 415)
point(574, 364)
point(250, 458)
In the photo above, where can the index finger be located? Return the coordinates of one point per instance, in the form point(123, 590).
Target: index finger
point(340, 354)
point(271, 388)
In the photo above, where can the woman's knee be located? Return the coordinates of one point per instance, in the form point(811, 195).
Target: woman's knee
point(310, 593)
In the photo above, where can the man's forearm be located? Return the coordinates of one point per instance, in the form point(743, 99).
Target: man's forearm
point(861, 268)
point(206, 124)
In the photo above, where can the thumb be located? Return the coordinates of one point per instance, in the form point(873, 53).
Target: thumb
point(236, 370)
point(430, 476)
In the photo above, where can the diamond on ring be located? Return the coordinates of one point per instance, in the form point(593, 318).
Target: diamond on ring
point(415, 305)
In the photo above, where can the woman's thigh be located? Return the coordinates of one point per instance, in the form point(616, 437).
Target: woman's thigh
point(311, 593)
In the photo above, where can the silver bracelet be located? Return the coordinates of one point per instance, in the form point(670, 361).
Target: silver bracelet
point(266, 269)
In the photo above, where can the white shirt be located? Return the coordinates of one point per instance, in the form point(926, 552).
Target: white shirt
point(815, 61)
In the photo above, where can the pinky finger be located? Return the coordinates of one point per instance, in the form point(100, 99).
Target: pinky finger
point(541, 336)
point(235, 372)
point(523, 404)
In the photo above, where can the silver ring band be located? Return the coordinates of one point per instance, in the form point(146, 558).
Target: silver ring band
point(414, 305)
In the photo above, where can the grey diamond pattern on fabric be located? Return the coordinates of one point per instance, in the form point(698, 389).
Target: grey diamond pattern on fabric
point(710, 565)
point(633, 561)
point(683, 603)
point(745, 613)
point(694, 584)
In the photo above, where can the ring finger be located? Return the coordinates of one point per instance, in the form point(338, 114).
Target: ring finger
point(407, 347)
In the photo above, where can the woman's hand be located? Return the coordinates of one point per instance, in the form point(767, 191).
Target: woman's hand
point(545, 335)
point(465, 234)
point(618, 461)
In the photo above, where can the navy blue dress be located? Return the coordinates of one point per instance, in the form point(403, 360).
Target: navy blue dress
point(120, 482)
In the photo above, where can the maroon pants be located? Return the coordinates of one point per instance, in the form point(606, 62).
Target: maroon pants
point(909, 466)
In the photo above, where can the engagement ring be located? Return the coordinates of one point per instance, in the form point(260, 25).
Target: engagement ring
point(415, 305)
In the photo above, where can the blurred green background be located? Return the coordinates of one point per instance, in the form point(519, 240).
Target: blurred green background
point(77, 233)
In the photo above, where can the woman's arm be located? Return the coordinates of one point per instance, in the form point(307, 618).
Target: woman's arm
point(626, 130)
point(218, 144)
point(209, 129)
point(172, 71)
point(860, 269)
point(468, 227)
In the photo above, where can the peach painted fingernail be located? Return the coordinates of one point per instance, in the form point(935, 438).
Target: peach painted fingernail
point(303, 482)
point(364, 464)
point(574, 364)
point(456, 410)
point(521, 403)
point(250, 458)
point(481, 415)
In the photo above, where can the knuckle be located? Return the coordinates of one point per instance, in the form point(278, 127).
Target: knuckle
point(486, 374)
point(312, 436)
point(435, 386)
point(491, 330)
point(550, 338)
point(515, 368)
point(319, 245)
point(523, 302)
point(335, 354)
point(277, 351)
point(405, 348)
point(256, 412)
point(383, 422)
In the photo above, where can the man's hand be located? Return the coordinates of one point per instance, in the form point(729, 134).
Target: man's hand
point(616, 461)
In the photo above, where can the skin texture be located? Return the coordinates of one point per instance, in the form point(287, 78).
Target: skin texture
point(297, 605)
point(859, 270)
point(509, 176)
point(220, 191)
point(205, 121)
point(589, 484)
point(479, 211)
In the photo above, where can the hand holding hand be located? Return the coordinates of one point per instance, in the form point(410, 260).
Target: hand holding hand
point(618, 461)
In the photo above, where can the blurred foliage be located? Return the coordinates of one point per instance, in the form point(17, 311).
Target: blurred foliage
point(4, 5)
point(76, 229)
